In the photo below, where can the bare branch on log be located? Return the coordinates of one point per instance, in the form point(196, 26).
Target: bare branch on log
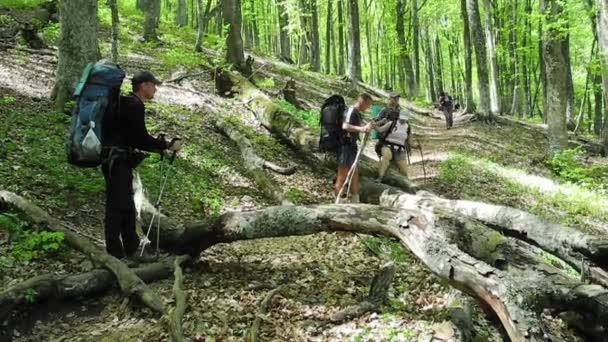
point(129, 282)
point(263, 309)
point(175, 318)
point(69, 287)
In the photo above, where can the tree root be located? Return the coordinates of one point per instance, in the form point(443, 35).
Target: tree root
point(175, 317)
point(129, 282)
point(263, 309)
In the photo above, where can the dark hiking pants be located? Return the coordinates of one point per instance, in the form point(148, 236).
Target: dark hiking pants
point(120, 234)
point(449, 117)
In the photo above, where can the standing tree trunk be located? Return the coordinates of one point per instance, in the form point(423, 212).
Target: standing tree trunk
point(468, 63)
point(557, 88)
point(571, 107)
point(368, 39)
point(140, 5)
point(495, 96)
point(284, 34)
point(305, 44)
point(328, 37)
point(354, 43)
point(151, 19)
point(115, 22)
point(198, 47)
point(416, 47)
point(341, 68)
point(234, 42)
point(77, 46)
point(599, 102)
point(438, 66)
point(602, 35)
point(181, 17)
point(406, 71)
point(429, 68)
point(315, 40)
point(479, 41)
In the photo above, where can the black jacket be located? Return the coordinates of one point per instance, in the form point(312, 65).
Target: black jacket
point(126, 127)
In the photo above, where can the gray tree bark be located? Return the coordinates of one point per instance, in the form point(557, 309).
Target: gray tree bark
point(198, 46)
point(284, 33)
point(305, 56)
point(151, 18)
point(181, 16)
point(406, 71)
point(341, 68)
point(556, 73)
point(495, 96)
point(416, 47)
point(77, 46)
point(484, 112)
point(328, 37)
point(315, 39)
point(235, 54)
point(354, 43)
point(468, 63)
point(115, 22)
point(602, 35)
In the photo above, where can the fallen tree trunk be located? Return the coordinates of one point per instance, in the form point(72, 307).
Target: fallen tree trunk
point(73, 286)
point(129, 282)
point(508, 274)
point(175, 318)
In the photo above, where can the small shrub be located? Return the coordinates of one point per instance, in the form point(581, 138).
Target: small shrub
point(310, 118)
point(30, 296)
point(568, 166)
point(50, 33)
point(295, 195)
point(36, 245)
point(266, 83)
point(7, 100)
point(456, 169)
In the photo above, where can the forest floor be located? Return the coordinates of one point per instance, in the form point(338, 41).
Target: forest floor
point(501, 163)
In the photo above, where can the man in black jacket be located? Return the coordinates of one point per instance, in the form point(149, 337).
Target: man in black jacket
point(124, 131)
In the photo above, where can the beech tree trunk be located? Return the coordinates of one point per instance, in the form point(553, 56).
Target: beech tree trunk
point(495, 95)
point(284, 34)
point(329, 30)
point(602, 34)
point(341, 68)
point(77, 46)
point(556, 73)
point(181, 16)
point(406, 71)
point(314, 36)
point(114, 9)
point(235, 54)
point(468, 63)
point(354, 43)
point(151, 19)
point(479, 41)
point(198, 47)
point(416, 47)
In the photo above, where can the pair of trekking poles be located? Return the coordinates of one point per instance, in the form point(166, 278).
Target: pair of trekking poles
point(351, 171)
point(164, 176)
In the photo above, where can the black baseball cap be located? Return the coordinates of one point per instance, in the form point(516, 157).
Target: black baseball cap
point(393, 95)
point(144, 76)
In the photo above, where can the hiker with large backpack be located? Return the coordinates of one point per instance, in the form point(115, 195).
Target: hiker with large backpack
point(446, 105)
point(109, 130)
point(352, 125)
point(393, 137)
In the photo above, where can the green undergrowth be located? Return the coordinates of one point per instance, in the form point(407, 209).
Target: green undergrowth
point(33, 162)
point(26, 245)
point(466, 177)
point(569, 166)
point(265, 146)
point(309, 117)
point(23, 4)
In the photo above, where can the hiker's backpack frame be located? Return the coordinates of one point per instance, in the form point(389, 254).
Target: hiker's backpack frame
point(331, 118)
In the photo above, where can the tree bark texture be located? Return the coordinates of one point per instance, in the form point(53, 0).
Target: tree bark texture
point(479, 41)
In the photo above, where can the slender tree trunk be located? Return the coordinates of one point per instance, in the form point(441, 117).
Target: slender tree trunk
point(284, 34)
point(354, 42)
point(181, 17)
point(152, 16)
point(115, 23)
point(198, 47)
point(557, 88)
point(484, 113)
point(468, 63)
point(495, 96)
point(341, 67)
point(77, 46)
point(571, 108)
point(328, 37)
point(598, 105)
point(416, 47)
point(370, 61)
point(429, 67)
point(526, 58)
point(305, 56)
point(602, 34)
point(517, 105)
point(316, 47)
point(454, 89)
point(140, 5)
point(406, 71)
point(438, 66)
point(234, 43)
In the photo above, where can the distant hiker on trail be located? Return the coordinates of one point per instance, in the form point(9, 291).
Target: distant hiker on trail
point(123, 132)
point(446, 105)
point(394, 137)
point(347, 151)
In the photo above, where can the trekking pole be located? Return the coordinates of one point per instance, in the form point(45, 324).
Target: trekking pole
point(164, 176)
point(422, 159)
point(352, 169)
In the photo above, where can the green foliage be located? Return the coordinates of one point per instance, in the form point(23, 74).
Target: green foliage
point(295, 195)
point(310, 118)
point(29, 245)
point(31, 296)
point(388, 247)
point(266, 83)
point(7, 100)
point(568, 166)
point(6, 20)
point(23, 4)
point(179, 56)
point(50, 33)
